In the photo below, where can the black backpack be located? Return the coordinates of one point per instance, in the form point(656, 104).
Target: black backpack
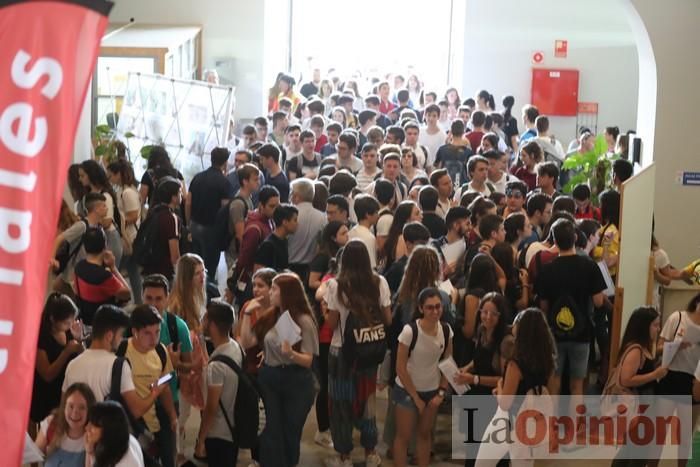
point(364, 344)
point(144, 243)
point(171, 322)
point(567, 320)
point(457, 165)
point(64, 255)
point(246, 410)
point(224, 236)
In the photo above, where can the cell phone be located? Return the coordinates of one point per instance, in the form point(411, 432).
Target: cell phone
point(162, 380)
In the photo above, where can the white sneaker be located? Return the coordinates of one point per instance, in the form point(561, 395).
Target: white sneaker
point(373, 460)
point(323, 438)
point(254, 464)
point(338, 462)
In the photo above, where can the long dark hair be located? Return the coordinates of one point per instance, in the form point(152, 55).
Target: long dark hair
point(637, 330)
point(488, 97)
point(508, 103)
point(328, 245)
point(77, 190)
point(610, 207)
point(422, 271)
point(98, 179)
point(125, 171)
point(58, 307)
point(401, 216)
point(482, 274)
point(693, 304)
point(501, 328)
point(356, 275)
point(114, 443)
point(534, 344)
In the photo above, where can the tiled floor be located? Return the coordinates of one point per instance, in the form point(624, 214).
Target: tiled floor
point(313, 455)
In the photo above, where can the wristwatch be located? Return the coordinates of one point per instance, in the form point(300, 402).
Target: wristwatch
point(441, 392)
point(476, 380)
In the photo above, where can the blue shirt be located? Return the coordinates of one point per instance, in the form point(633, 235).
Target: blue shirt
point(183, 333)
point(281, 182)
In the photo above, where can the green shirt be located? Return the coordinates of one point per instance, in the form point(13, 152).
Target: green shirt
point(184, 338)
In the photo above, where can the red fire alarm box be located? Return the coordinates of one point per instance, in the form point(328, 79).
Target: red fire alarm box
point(555, 91)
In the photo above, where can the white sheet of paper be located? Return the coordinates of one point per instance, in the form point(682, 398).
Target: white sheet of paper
point(287, 329)
point(610, 290)
point(446, 286)
point(453, 251)
point(449, 368)
point(31, 453)
point(670, 350)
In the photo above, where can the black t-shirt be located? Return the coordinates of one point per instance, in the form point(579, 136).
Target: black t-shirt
point(46, 396)
point(157, 173)
point(394, 274)
point(272, 253)
point(435, 224)
point(208, 189)
point(308, 166)
point(320, 264)
point(281, 182)
point(510, 129)
point(169, 228)
point(577, 276)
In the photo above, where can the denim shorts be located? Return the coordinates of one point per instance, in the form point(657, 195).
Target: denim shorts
point(401, 397)
point(577, 355)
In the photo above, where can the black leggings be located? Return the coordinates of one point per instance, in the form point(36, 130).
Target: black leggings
point(322, 420)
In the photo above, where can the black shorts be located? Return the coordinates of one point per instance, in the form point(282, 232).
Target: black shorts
point(675, 383)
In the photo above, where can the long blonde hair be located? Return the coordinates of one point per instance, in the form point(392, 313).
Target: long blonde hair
point(186, 301)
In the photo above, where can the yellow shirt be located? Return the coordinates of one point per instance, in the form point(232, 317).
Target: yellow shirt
point(146, 368)
point(613, 248)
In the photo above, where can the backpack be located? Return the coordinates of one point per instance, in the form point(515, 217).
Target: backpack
point(246, 411)
point(144, 243)
point(64, 255)
point(224, 236)
point(566, 319)
point(171, 322)
point(414, 339)
point(457, 166)
point(364, 344)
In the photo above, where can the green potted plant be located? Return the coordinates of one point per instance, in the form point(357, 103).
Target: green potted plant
point(593, 168)
point(108, 147)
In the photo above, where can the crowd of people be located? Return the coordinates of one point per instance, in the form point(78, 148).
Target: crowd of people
point(366, 239)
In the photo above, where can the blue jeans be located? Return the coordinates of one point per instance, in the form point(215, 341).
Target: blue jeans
point(204, 245)
point(288, 393)
point(577, 355)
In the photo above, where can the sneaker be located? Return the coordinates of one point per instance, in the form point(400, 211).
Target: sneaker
point(254, 464)
point(323, 438)
point(373, 460)
point(338, 462)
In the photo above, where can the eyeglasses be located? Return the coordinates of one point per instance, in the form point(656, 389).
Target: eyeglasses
point(436, 307)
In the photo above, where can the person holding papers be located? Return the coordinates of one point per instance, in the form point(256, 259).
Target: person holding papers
point(420, 387)
point(486, 368)
point(286, 380)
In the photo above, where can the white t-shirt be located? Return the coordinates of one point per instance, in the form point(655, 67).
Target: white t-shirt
point(94, 368)
point(334, 303)
point(686, 360)
point(364, 234)
point(68, 444)
point(133, 456)
point(432, 143)
point(128, 200)
point(364, 180)
point(384, 222)
point(661, 260)
point(423, 361)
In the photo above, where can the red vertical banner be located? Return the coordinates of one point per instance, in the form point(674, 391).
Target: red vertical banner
point(49, 49)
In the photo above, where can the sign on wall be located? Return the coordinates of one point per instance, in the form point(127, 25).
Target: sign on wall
point(189, 118)
point(561, 48)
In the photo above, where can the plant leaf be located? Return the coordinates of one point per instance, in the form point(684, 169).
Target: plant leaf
point(128, 134)
point(100, 150)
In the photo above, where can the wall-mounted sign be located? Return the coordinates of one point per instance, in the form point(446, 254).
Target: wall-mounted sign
point(537, 57)
point(588, 107)
point(691, 178)
point(561, 48)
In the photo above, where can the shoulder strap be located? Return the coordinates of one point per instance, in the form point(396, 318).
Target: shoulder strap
point(622, 359)
point(171, 322)
point(237, 369)
point(116, 380)
point(121, 350)
point(414, 336)
point(446, 335)
point(163, 355)
point(490, 186)
point(680, 317)
point(80, 242)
